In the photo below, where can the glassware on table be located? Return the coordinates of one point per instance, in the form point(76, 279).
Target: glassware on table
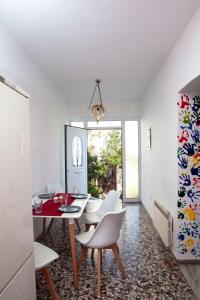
point(51, 193)
point(75, 190)
point(56, 199)
point(66, 199)
point(38, 205)
point(63, 199)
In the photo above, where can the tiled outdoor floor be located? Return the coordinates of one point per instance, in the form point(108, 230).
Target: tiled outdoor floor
point(152, 270)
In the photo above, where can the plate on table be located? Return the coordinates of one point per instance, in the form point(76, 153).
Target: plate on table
point(46, 196)
point(79, 196)
point(69, 208)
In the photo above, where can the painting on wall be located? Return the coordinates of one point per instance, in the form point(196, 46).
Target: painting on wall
point(149, 138)
point(189, 176)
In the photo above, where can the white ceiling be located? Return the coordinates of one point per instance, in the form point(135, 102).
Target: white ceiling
point(122, 42)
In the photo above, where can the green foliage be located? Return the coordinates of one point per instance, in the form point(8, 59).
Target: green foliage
point(102, 167)
point(93, 171)
point(112, 154)
point(93, 167)
point(93, 189)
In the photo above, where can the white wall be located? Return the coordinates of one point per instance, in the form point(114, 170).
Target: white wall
point(47, 112)
point(124, 110)
point(159, 166)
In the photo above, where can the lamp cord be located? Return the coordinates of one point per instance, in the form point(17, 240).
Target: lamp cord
point(97, 84)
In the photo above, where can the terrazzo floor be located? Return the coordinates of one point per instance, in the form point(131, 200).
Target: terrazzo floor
point(152, 270)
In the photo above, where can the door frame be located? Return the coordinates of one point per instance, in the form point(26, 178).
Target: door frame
point(122, 127)
point(132, 200)
point(114, 128)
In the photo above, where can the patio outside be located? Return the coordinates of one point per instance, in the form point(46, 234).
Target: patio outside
point(104, 161)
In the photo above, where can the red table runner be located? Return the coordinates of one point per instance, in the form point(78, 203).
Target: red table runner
point(50, 208)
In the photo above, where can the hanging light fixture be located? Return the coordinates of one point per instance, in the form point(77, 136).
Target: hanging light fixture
point(97, 110)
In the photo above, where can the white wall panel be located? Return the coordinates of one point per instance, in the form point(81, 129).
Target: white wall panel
point(16, 239)
point(159, 166)
point(22, 285)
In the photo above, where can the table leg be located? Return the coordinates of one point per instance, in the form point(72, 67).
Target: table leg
point(73, 252)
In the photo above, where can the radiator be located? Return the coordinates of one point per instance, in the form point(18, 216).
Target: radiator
point(163, 223)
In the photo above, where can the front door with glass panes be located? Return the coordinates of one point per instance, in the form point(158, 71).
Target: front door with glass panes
point(76, 160)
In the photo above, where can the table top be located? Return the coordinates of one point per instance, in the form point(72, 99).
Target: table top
point(78, 202)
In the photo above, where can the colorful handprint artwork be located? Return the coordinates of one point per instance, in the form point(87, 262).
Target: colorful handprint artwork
point(188, 154)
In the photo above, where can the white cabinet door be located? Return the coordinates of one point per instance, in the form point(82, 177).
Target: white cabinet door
point(76, 159)
point(22, 285)
point(16, 233)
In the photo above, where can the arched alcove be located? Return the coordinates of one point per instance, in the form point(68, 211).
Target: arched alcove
point(192, 87)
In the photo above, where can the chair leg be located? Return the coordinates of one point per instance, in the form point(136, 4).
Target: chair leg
point(82, 256)
point(117, 248)
point(64, 227)
point(99, 272)
point(37, 280)
point(50, 284)
point(78, 225)
point(50, 224)
point(92, 253)
point(87, 227)
point(44, 228)
point(118, 260)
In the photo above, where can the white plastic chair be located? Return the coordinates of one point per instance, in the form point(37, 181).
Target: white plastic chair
point(104, 236)
point(43, 257)
point(108, 205)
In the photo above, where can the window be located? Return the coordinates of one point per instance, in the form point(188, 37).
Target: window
point(105, 124)
point(131, 159)
point(77, 152)
point(77, 124)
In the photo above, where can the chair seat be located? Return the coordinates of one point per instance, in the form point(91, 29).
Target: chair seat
point(43, 255)
point(91, 218)
point(85, 237)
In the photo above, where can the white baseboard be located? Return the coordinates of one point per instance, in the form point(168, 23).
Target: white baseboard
point(132, 200)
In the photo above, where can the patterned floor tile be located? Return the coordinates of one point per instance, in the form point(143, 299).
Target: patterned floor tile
point(153, 273)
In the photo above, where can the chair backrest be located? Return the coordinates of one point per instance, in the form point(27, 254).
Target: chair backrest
point(108, 204)
point(118, 205)
point(108, 230)
point(55, 188)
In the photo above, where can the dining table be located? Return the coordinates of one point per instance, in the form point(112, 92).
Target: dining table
point(51, 210)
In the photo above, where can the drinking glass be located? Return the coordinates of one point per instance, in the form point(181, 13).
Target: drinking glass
point(61, 199)
point(38, 205)
point(64, 199)
point(75, 190)
point(51, 193)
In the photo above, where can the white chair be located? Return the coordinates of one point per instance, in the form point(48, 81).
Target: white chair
point(108, 205)
point(43, 257)
point(104, 236)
